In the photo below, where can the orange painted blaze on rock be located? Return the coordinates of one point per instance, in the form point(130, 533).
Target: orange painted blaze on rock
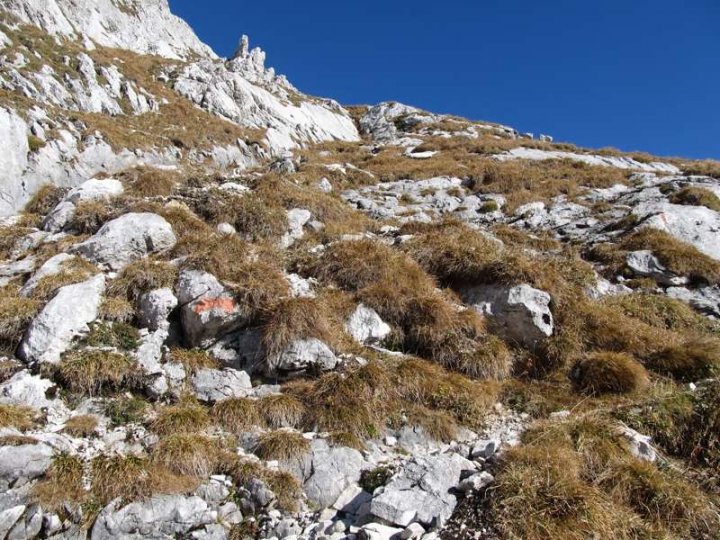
point(223, 303)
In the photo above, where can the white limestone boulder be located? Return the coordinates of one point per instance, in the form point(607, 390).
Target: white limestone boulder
point(366, 326)
point(155, 308)
point(520, 313)
point(64, 318)
point(126, 239)
point(300, 355)
point(211, 385)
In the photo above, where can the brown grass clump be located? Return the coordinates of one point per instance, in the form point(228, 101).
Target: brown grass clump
point(62, 483)
point(706, 167)
point(237, 414)
point(281, 445)
point(679, 257)
point(293, 319)
point(696, 196)
point(251, 215)
point(693, 360)
point(81, 426)
point(143, 276)
point(89, 216)
point(187, 416)
point(19, 417)
point(281, 411)
point(72, 271)
point(661, 311)
point(193, 360)
point(8, 368)
point(576, 479)
point(44, 200)
point(187, 454)
point(133, 478)
point(150, 182)
point(116, 309)
point(16, 313)
point(608, 373)
point(92, 372)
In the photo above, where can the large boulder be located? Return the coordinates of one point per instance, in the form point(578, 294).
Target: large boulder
point(521, 313)
point(20, 464)
point(126, 239)
point(366, 326)
point(213, 385)
point(421, 491)
point(161, 516)
point(326, 471)
point(300, 355)
point(208, 309)
point(65, 317)
point(29, 390)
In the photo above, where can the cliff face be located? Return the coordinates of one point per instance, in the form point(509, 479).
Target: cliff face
point(111, 60)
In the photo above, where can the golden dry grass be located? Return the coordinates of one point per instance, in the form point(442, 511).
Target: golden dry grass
point(143, 276)
point(62, 483)
point(44, 200)
point(281, 411)
point(281, 445)
point(187, 454)
point(696, 196)
point(294, 319)
point(71, 271)
point(188, 416)
point(149, 182)
point(695, 359)
point(237, 415)
point(93, 372)
point(19, 417)
point(611, 373)
point(193, 360)
point(84, 425)
point(16, 313)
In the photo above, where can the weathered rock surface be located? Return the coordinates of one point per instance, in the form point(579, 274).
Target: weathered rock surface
point(161, 516)
point(301, 355)
point(521, 313)
point(19, 464)
point(208, 309)
point(155, 308)
point(65, 317)
point(126, 239)
point(213, 385)
point(420, 492)
point(366, 326)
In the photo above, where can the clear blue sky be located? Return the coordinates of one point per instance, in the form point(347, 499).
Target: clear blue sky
point(634, 74)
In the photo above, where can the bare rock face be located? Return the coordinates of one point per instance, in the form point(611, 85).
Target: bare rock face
point(366, 326)
point(65, 317)
point(302, 354)
point(421, 491)
point(127, 24)
point(521, 313)
point(155, 308)
point(13, 159)
point(126, 239)
point(211, 385)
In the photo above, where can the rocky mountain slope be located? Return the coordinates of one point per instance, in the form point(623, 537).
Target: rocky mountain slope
point(231, 310)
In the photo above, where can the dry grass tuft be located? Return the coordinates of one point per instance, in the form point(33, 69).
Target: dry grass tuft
point(16, 313)
point(237, 415)
point(193, 360)
point(44, 200)
point(293, 319)
point(81, 426)
point(116, 309)
point(125, 410)
point(19, 417)
point(679, 257)
point(187, 454)
point(281, 445)
point(62, 484)
point(608, 373)
point(691, 361)
point(93, 372)
point(72, 271)
point(281, 411)
point(577, 480)
point(143, 276)
point(188, 416)
point(149, 182)
point(89, 216)
point(697, 196)
point(122, 336)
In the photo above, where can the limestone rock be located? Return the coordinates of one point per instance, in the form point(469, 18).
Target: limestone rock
point(420, 492)
point(366, 326)
point(161, 516)
point(155, 308)
point(126, 239)
point(521, 313)
point(301, 355)
point(65, 317)
point(95, 190)
point(208, 309)
point(19, 464)
point(49, 268)
point(213, 385)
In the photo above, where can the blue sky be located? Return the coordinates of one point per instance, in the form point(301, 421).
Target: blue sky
point(634, 74)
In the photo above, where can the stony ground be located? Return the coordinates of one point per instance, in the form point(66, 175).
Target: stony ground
point(230, 310)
